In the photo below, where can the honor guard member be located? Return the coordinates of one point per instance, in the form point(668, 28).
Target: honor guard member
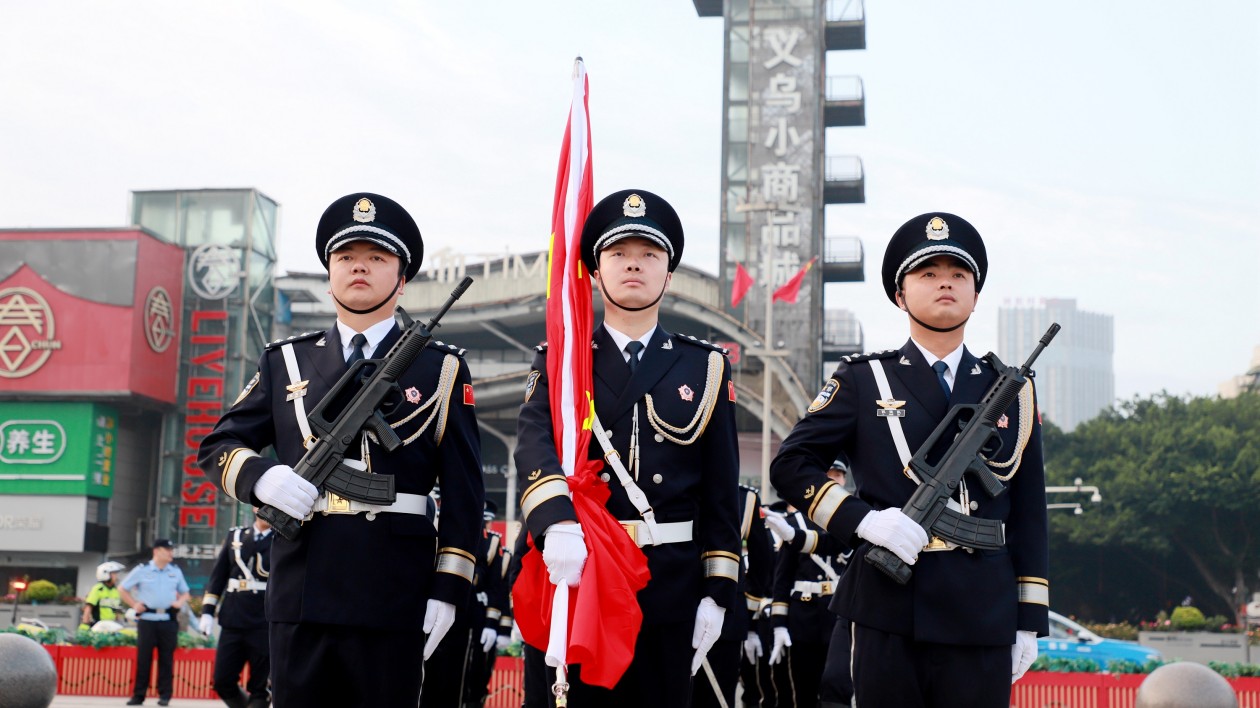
point(739, 644)
point(809, 565)
point(156, 591)
point(965, 625)
point(491, 602)
point(348, 600)
point(103, 603)
point(236, 594)
point(667, 404)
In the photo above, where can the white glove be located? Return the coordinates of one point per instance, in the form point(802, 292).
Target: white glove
point(206, 624)
point(131, 614)
point(780, 526)
point(782, 640)
point(285, 489)
point(438, 618)
point(564, 553)
point(752, 647)
point(487, 639)
point(1023, 653)
point(502, 642)
point(707, 630)
point(895, 531)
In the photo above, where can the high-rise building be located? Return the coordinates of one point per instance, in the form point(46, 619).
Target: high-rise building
point(1075, 375)
point(1248, 382)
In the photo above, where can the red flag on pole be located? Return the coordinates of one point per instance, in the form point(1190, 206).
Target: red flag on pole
point(604, 615)
point(740, 285)
point(789, 290)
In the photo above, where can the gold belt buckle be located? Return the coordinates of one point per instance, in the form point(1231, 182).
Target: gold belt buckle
point(338, 505)
point(632, 529)
point(939, 544)
point(242, 584)
point(826, 589)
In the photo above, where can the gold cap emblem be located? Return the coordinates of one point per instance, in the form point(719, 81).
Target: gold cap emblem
point(937, 229)
point(364, 211)
point(634, 206)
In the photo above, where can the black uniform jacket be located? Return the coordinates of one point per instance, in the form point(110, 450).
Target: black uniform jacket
point(954, 597)
point(694, 482)
point(808, 617)
point(343, 568)
point(243, 606)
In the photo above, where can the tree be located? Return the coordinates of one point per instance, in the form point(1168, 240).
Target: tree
point(1178, 475)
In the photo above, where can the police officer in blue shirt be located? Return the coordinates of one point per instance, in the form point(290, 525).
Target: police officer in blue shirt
point(156, 591)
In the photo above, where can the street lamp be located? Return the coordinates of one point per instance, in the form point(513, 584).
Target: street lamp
point(18, 587)
point(1074, 506)
point(1094, 497)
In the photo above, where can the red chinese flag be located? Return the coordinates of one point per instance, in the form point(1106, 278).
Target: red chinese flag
point(604, 610)
point(789, 290)
point(740, 285)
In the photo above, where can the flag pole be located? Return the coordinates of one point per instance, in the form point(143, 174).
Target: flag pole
point(767, 383)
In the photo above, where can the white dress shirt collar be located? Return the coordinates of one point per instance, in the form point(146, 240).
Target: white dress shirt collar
point(951, 360)
point(374, 335)
point(621, 340)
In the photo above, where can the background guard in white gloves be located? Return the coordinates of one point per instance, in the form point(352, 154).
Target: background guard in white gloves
point(487, 639)
point(438, 618)
point(895, 531)
point(780, 526)
point(752, 647)
point(782, 640)
point(206, 624)
point(564, 553)
point(1023, 653)
point(707, 630)
point(285, 489)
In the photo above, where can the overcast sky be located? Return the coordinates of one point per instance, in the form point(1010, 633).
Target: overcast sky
point(1107, 151)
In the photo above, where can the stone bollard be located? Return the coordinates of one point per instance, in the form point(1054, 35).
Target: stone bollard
point(28, 678)
point(1185, 684)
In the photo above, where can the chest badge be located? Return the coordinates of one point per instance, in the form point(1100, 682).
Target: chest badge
point(1004, 422)
point(685, 393)
point(890, 408)
point(296, 390)
point(413, 395)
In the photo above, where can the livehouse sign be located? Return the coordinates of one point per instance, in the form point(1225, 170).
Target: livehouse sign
point(214, 271)
point(27, 330)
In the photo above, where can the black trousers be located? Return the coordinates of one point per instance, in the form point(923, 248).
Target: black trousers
point(236, 648)
point(658, 677)
point(837, 683)
point(348, 667)
point(163, 636)
point(446, 672)
point(897, 672)
point(724, 658)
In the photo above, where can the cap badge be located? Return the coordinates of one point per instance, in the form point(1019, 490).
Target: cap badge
point(937, 229)
point(634, 206)
point(364, 211)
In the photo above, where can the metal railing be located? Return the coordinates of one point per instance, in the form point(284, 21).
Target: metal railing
point(842, 249)
point(843, 168)
point(845, 88)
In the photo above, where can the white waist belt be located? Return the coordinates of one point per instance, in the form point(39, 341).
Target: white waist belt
point(808, 589)
point(329, 503)
point(241, 584)
point(674, 532)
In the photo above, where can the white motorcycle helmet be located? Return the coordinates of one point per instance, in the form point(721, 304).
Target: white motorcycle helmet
point(104, 570)
point(106, 627)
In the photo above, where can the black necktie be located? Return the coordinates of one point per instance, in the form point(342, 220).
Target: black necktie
point(358, 341)
point(633, 348)
point(941, 367)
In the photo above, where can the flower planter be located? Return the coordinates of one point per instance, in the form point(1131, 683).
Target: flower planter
point(111, 671)
point(1038, 689)
point(1199, 646)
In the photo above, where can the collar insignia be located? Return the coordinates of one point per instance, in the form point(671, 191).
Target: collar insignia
point(320, 343)
point(364, 211)
point(413, 395)
point(937, 229)
point(594, 345)
point(975, 370)
point(686, 393)
point(634, 206)
point(904, 361)
point(669, 344)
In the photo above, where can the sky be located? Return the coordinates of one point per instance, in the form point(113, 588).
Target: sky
point(1107, 152)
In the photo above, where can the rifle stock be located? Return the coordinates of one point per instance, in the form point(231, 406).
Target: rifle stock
point(354, 407)
point(975, 440)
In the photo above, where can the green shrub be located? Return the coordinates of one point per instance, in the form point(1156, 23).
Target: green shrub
point(1124, 666)
point(41, 591)
point(1113, 630)
point(1188, 618)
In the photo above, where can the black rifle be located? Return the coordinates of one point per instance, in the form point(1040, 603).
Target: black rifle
point(976, 441)
point(354, 407)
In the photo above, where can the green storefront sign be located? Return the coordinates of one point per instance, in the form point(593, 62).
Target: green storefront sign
point(57, 448)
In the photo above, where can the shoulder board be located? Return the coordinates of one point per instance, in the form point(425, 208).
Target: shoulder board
point(855, 358)
point(447, 348)
point(702, 343)
point(541, 347)
point(236, 528)
point(294, 338)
